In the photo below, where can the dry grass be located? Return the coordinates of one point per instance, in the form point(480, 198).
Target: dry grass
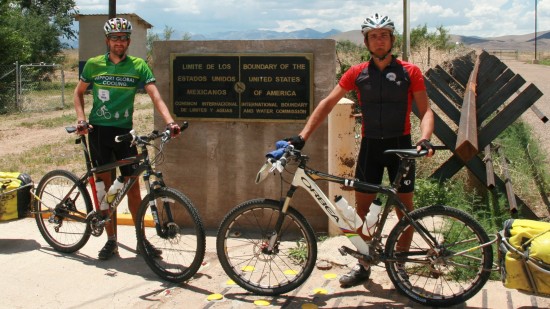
point(36, 142)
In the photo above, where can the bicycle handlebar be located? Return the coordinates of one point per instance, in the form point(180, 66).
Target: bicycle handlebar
point(131, 136)
point(278, 158)
point(126, 137)
point(284, 149)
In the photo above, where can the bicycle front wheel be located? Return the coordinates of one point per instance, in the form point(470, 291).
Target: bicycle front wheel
point(449, 266)
point(61, 209)
point(173, 247)
point(260, 257)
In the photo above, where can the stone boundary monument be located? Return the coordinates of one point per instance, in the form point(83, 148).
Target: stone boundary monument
point(239, 98)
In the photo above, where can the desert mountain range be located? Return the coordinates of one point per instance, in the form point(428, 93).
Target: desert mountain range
point(525, 42)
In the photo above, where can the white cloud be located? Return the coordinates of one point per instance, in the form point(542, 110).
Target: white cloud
point(474, 17)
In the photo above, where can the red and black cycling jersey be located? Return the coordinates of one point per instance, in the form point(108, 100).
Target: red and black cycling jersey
point(385, 96)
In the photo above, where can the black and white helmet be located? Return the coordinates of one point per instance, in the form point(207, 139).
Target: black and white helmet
point(117, 25)
point(377, 21)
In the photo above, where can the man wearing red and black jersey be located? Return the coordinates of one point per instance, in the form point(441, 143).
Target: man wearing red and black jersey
point(386, 89)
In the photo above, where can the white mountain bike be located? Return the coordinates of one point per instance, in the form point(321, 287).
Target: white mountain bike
point(267, 247)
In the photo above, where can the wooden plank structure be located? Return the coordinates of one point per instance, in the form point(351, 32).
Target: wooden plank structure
point(475, 96)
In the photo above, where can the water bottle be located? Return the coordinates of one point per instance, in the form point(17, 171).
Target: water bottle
point(115, 187)
point(100, 189)
point(372, 217)
point(348, 212)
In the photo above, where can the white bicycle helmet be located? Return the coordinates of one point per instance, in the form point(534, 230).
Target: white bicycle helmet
point(377, 21)
point(117, 25)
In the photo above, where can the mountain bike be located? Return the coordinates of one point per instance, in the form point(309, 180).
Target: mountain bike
point(66, 216)
point(268, 248)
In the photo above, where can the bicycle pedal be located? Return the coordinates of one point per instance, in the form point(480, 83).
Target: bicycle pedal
point(342, 251)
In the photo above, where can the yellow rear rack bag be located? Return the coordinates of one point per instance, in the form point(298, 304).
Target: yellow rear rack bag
point(525, 256)
point(15, 195)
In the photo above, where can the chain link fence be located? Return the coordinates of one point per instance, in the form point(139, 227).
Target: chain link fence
point(31, 87)
point(41, 87)
point(8, 88)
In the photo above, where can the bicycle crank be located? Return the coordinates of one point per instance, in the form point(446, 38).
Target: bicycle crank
point(360, 256)
point(96, 222)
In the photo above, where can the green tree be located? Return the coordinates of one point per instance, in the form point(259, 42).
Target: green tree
point(31, 30)
point(438, 39)
point(166, 36)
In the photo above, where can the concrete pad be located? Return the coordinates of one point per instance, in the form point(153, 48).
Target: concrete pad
point(36, 276)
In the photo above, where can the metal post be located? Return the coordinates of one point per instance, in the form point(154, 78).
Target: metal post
point(406, 30)
point(17, 88)
point(62, 88)
point(536, 61)
point(112, 9)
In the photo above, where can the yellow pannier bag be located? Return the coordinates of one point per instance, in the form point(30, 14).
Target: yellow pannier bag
point(15, 195)
point(526, 250)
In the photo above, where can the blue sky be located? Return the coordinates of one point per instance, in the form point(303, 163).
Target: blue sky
point(464, 17)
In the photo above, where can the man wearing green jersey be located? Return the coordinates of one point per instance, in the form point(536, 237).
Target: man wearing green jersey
point(115, 77)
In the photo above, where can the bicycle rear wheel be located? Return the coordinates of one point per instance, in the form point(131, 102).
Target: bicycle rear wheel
point(179, 235)
point(448, 269)
point(61, 211)
point(243, 241)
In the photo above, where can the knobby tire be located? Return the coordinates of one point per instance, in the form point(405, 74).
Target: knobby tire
point(63, 234)
point(242, 245)
point(183, 244)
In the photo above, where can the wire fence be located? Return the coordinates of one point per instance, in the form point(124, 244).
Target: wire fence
point(514, 54)
point(8, 88)
point(31, 87)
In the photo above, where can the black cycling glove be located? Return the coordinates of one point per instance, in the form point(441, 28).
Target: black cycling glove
point(297, 141)
point(426, 144)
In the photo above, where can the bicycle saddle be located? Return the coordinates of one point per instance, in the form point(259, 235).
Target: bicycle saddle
point(407, 153)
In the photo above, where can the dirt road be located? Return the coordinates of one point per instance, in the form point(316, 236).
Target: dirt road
point(539, 75)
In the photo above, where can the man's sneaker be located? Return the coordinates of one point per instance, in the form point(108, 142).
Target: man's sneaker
point(150, 249)
point(356, 276)
point(110, 249)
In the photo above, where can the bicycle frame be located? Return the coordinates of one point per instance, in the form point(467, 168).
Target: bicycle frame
point(306, 178)
point(144, 169)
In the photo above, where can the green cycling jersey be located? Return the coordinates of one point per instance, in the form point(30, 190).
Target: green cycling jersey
point(114, 88)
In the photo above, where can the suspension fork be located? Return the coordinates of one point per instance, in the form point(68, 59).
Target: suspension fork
point(285, 203)
point(162, 231)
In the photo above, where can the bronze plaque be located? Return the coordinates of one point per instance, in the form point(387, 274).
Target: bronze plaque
point(248, 87)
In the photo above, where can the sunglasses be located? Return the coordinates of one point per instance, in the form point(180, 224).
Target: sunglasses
point(116, 38)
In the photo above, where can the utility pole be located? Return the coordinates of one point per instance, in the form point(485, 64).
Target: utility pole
point(536, 61)
point(112, 9)
point(406, 30)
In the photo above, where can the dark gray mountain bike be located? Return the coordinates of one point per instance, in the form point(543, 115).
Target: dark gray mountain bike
point(66, 216)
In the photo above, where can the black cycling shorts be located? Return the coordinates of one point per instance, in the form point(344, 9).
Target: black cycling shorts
point(372, 161)
point(104, 149)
